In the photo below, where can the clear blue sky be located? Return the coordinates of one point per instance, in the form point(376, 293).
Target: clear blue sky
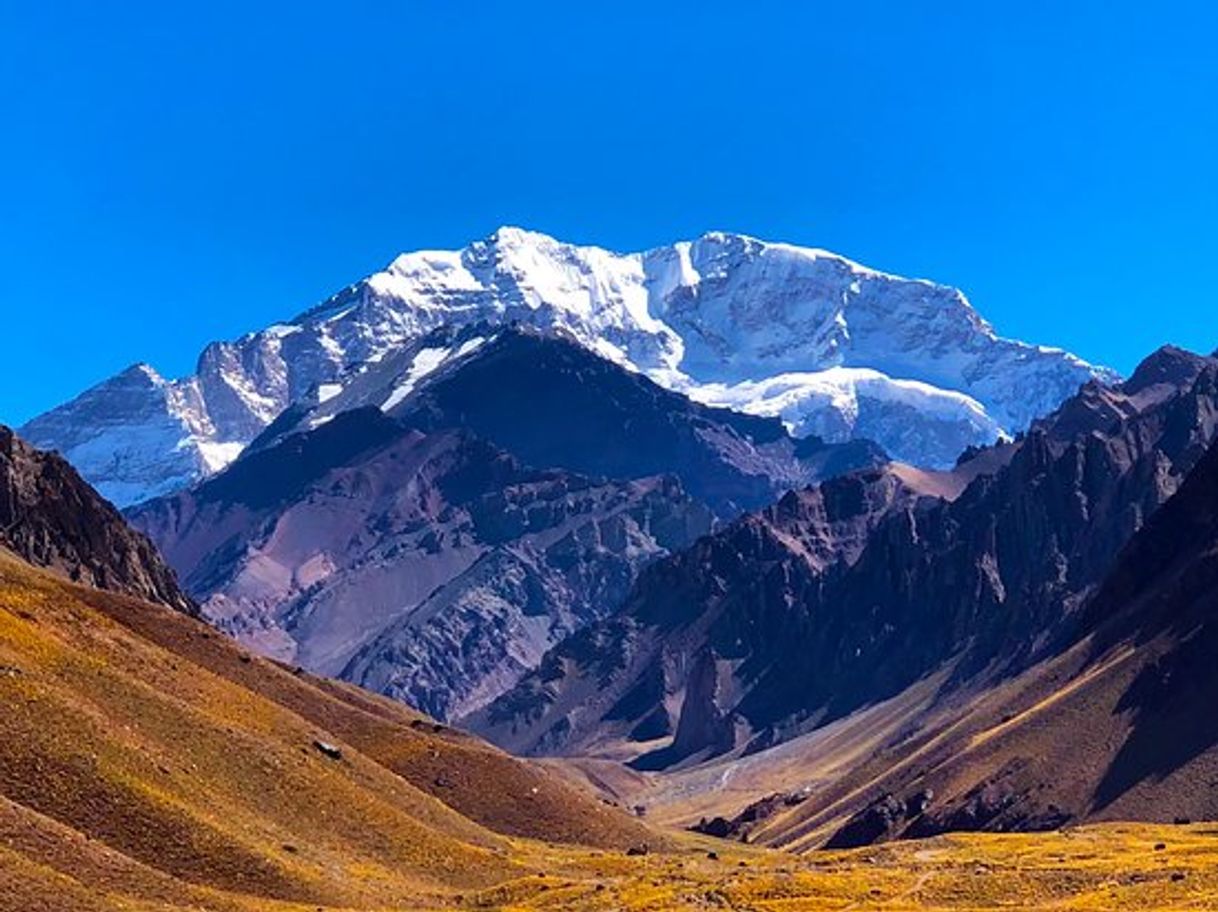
point(173, 173)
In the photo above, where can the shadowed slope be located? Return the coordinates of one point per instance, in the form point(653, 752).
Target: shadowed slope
point(552, 403)
point(1120, 726)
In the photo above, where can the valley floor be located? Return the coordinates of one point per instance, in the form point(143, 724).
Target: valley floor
point(1109, 867)
point(1104, 867)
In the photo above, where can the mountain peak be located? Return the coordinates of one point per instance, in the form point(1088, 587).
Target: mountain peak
point(829, 346)
point(144, 369)
point(515, 236)
point(1167, 364)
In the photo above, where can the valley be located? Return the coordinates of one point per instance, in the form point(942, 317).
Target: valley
point(608, 457)
point(500, 605)
point(148, 763)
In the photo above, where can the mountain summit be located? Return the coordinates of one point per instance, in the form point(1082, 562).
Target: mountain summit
point(831, 347)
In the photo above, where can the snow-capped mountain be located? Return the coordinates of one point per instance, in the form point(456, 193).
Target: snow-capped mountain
point(830, 346)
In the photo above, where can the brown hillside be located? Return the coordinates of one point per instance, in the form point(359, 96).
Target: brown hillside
point(142, 755)
point(50, 517)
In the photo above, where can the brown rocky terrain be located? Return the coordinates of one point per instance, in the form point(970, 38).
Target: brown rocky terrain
point(50, 517)
point(1116, 727)
point(431, 567)
point(977, 579)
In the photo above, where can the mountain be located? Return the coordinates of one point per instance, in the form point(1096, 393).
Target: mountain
point(434, 567)
point(1117, 726)
point(307, 547)
point(831, 347)
point(146, 760)
point(787, 621)
point(551, 402)
point(52, 518)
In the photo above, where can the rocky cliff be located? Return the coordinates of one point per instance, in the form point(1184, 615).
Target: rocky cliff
point(51, 518)
point(983, 574)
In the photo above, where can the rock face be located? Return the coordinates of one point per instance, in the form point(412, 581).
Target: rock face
point(880, 821)
point(551, 402)
point(830, 347)
point(986, 580)
point(51, 518)
point(703, 724)
point(433, 567)
point(1115, 725)
point(696, 612)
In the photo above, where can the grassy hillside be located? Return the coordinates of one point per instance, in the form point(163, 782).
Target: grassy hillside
point(147, 764)
point(143, 754)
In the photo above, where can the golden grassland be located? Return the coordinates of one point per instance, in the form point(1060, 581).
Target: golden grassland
point(148, 764)
point(1107, 867)
point(1104, 867)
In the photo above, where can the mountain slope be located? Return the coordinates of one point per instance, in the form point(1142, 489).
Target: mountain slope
point(51, 518)
point(148, 763)
point(191, 768)
point(1116, 727)
point(831, 347)
point(433, 567)
point(550, 402)
point(632, 676)
point(757, 644)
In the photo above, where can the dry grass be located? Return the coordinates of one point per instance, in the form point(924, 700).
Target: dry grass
point(1110, 867)
point(145, 755)
point(146, 763)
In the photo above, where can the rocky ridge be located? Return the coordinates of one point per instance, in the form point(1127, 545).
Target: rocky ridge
point(51, 518)
point(987, 579)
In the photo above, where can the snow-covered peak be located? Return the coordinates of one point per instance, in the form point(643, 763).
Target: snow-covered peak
point(726, 318)
point(138, 373)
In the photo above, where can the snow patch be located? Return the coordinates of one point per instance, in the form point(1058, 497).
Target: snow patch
point(217, 455)
point(907, 417)
point(469, 345)
point(426, 361)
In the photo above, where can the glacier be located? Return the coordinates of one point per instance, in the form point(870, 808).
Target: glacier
point(832, 347)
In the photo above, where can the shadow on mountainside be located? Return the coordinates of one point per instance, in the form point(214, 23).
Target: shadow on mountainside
point(1172, 701)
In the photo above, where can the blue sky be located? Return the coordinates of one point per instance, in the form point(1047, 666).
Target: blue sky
point(173, 173)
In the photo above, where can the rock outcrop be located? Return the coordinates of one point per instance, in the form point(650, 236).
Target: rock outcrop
point(984, 574)
point(51, 518)
point(433, 567)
